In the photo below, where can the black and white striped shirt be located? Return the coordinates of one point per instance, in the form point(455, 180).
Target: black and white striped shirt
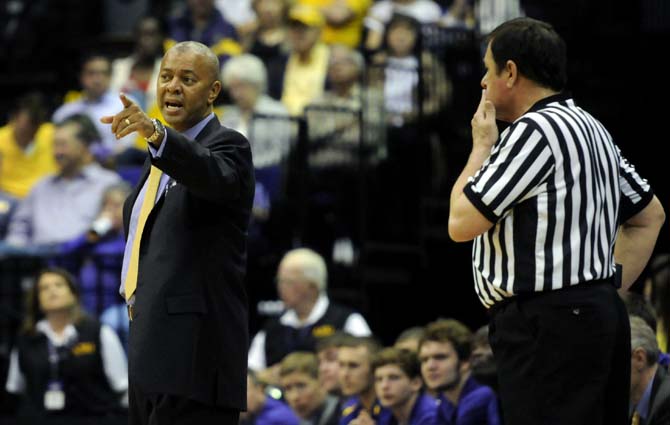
point(556, 187)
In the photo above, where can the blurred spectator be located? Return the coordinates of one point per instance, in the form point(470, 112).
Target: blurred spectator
point(7, 207)
point(657, 290)
point(245, 79)
point(263, 409)
point(409, 95)
point(343, 20)
point(444, 352)
point(26, 146)
point(409, 339)
point(239, 13)
point(329, 368)
point(491, 13)
point(136, 75)
point(201, 21)
point(269, 41)
point(460, 14)
point(62, 206)
point(482, 362)
point(96, 102)
point(307, 66)
point(65, 364)
point(361, 405)
point(398, 385)
point(649, 383)
point(101, 247)
point(379, 15)
point(309, 315)
point(416, 91)
point(299, 380)
point(341, 137)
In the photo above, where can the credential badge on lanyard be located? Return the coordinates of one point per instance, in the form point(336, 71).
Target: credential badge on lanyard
point(54, 397)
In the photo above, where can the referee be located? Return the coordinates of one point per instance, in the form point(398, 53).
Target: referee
point(545, 203)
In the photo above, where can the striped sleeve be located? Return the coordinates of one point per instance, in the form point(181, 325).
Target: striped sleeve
point(519, 163)
point(636, 193)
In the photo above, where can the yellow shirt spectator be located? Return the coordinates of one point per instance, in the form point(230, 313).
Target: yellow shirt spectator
point(21, 168)
point(344, 20)
point(304, 81)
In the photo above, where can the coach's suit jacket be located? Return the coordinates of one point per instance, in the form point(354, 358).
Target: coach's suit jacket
point(189, 334)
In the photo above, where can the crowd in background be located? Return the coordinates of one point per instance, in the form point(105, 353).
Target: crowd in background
point(355, 111)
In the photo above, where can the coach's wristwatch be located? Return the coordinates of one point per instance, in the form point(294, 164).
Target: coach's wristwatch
point(159, 132)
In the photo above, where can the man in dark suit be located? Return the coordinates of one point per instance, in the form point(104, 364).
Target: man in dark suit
point(649, 381)
point(185, 256)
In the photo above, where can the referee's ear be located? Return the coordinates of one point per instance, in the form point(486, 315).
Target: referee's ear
point(511, 73)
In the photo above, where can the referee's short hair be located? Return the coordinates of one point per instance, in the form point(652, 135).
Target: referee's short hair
point(642, 336)
point(535, 47)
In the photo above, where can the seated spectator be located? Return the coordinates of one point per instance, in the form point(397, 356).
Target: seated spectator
point(343, 140)
point(343, 20)
point(379, 15)
point(239, 13)
point(201, 21)
point(444, 352)
point(408, 339)
point(482, 362)
point(309, 315)
point(62, 206)
point(65, 364)
point(649, 382)
point(398, 385)
point(460, 14)
point(329, 368)
point(97, 101)
point(400, 55)
point(137, 74)
point(245, 79)
point(101, 249)
point(637, 305)
point(269, 41)
point(360, 405)
point(657, 286)
point(307, 66)
point(263, 409)
point(299, 380)
point(7, 208)
point(416, 91)
point(26, 146)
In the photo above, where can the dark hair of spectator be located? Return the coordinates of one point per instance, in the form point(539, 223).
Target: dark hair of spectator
point(407, 361)
point(400, 19)
point(535, 47)
point(637, 305)
point(452, 331)
point(34, 313)
point(87, 132)
point(95, 55)
point(33, 103)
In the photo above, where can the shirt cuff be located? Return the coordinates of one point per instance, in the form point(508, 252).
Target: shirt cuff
point(158, 153)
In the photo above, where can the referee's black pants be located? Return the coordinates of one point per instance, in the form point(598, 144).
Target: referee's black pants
point(563, 357)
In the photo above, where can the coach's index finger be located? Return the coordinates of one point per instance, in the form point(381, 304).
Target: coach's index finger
point(126, 102)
